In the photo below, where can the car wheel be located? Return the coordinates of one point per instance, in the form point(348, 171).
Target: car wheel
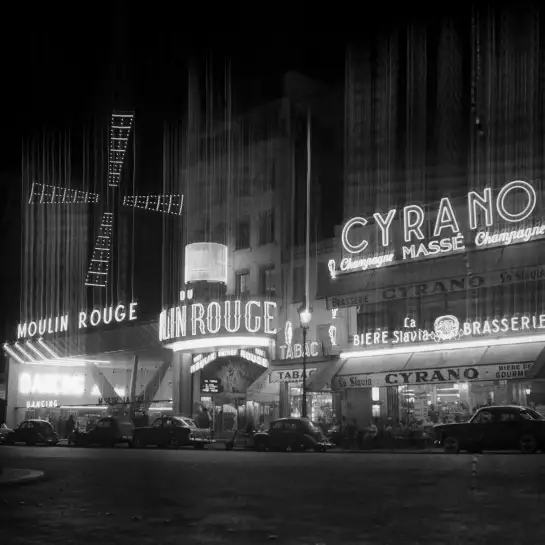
point(260, 446)
point(451, 445)
point(528, 444)
point(297, 447)
point(319, 449)
point(229, 445)
point(199, 446)
point(30, 444)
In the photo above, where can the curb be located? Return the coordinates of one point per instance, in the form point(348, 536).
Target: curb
point(12, 477)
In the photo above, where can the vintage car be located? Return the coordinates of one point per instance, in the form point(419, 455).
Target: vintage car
point(172, 431)
point(32, 432)
point(297, 434)
point(109, 431)
point(506, 427)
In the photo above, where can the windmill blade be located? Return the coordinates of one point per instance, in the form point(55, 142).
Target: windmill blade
point(166, 204)
point(120, 132)
point(97, 274)
point(54, 194)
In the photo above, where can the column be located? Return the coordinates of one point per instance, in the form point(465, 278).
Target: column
point(181, 383)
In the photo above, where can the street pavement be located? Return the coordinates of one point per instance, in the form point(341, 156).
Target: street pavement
point(114, 496)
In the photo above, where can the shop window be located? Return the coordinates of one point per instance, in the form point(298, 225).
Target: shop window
point(267, 281)
point(242, 236)
point(266, 227)
point(242, 282)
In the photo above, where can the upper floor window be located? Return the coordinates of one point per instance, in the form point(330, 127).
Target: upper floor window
point(268, 281)
point(242, 282)
point(242, 237)
point(266, 227)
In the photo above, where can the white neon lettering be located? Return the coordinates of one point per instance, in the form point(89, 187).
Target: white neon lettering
point(42, 326)
point(132, 311)
point(107, 315)
point(522, 215)
point(411, 226)
point(248, 317)
point(21, 330)
point(213, 322)
point(120, 316)
point(95, 318)
point(484, 203)
point(32, 328)
point(51, 384)
point(384, 224)
point(446, 218)
point(269, 317)
point(353, 248)
point(229, 315)
point(197, 318)
point(82, 318)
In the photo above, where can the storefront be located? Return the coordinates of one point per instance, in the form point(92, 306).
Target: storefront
point(282, 384)
point(117, 369)
point(220, 348)
point(443, 374)
point(446, 307)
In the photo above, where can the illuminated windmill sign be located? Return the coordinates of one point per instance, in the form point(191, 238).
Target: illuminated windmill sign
point(121, 127)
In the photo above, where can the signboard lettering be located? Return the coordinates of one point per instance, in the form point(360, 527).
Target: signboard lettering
point(42, 404)
point(59, 324)
point(433, 376)
point(291, 375)
point(483, 213)
point(198, 320)
point(448, 328)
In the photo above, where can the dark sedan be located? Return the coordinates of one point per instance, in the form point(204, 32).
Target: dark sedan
point(506, 427)
point(172, 431)
point(33, 432)
point(108, 432)
point(297, 434)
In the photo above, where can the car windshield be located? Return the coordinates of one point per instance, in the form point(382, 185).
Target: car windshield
point(185, 422)
point(530, 414)
point(314, 427)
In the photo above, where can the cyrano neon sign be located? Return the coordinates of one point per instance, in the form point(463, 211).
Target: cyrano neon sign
point(446, 234)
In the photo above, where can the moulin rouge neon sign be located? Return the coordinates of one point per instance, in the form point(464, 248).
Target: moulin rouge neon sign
point(59, 324)
point(447, 236)
point(231, 316)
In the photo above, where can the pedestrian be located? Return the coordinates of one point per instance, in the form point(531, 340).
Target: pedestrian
point(70, 425)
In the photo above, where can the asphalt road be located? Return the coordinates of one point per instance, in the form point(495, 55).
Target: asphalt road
point(114, 496)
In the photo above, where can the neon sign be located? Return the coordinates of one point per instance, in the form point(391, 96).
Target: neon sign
point(93, 319)
point(42, 404)
point(289, 351)
point(446, 234)
point(201, 361)
point(232, 316)
point(51, 384)
point(448, 328)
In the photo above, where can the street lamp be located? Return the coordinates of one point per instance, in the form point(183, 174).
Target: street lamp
point(305, 315)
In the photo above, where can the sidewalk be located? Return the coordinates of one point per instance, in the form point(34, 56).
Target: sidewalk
point(11, 476)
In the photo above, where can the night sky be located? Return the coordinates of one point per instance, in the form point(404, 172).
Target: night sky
point(60, 64)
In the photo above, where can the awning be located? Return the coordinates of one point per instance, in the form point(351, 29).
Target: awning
point(321, 380)
point(492, 363)
point(262, 390)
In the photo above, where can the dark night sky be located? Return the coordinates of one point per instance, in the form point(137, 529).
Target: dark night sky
point(57, 64)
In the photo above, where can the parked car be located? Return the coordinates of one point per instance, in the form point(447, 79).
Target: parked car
point(4, 430)
point(495, 428)
point(109, 432)
point(297, 434)
point(32, 432)
point(172, 431)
